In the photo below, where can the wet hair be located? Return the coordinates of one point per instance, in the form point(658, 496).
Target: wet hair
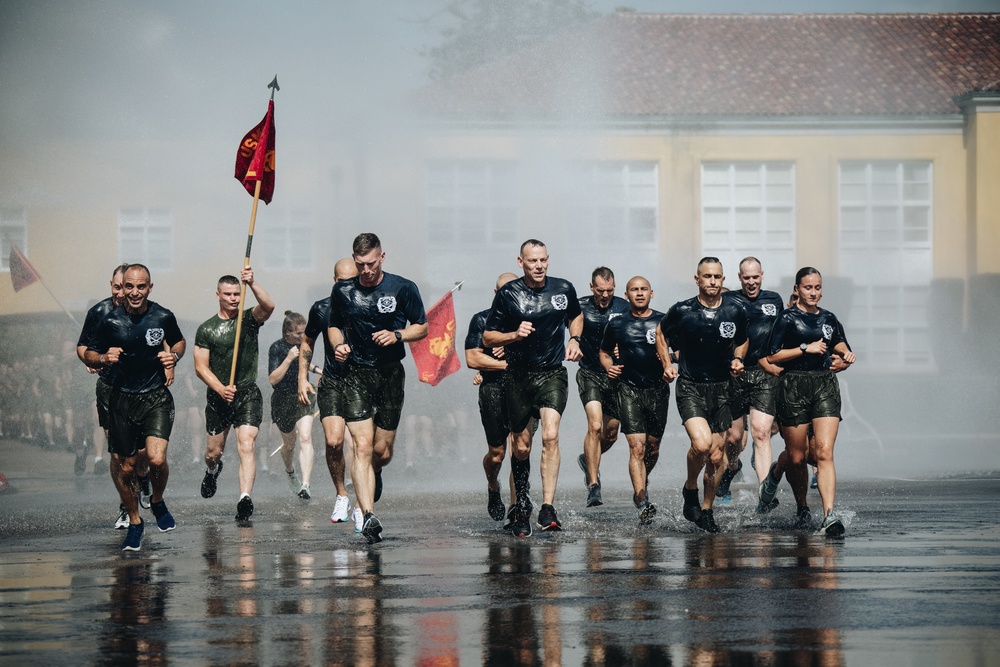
point(602, 272)
point(531, 242)
point(709, 260)
point(292, 320)
point(228, 280)
point(806, 271)
point(365, 243)
point(129, 267)
point(793, 299)
point(749, 259)
point(121, 268)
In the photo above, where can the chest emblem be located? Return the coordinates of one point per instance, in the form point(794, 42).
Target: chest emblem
point(559, 301)
point(769, 309)
point(386, 304)
point(827, 331)
point(651, 336)
point(727, 329)
point(154, 337)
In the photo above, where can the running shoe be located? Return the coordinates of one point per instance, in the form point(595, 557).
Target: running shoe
point(647, 511)
point(521, 525)
point(244, 509)
point(803, 518)
point(378, 485)
point(706, 521)
point(304, 492)
point(133, 538)
point(727, 478)
point(294, 483)
point(832, 526)
point(208, 484)
point(145, 492)
point(582, 462)
point(341, 510)
point(100, 467)
point(122, 521)
point(511, 518)
point(814, 484)
point(765, 508)
point(494, 505)
point(359, 520)
point(768, 488)
point(547, 519)
point(372, 529)
point(164, 520)
point(594, 496)
point(692, 506)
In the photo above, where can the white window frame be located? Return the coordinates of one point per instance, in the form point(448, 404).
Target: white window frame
point(471, 202)
point(13, 229)
point(146, 236)
point(287, 242)
point(616, 204)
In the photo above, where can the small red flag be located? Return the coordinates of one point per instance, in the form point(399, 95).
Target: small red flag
point(22, 273)
point(255, 157)
point(435, 355)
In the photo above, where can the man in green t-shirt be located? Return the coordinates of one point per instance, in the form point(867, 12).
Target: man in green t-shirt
point(238, 403)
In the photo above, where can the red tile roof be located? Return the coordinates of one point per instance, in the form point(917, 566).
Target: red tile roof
point(668, 65)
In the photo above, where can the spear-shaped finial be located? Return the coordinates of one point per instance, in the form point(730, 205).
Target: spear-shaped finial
point(274, 86)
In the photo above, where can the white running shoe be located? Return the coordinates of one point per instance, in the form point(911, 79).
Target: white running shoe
point(294, 483)
point(122, 521)
point(359, 519)
point(341, 510)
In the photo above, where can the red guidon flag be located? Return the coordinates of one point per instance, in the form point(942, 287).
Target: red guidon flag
point(435, 355)
point(22, 273)
point(255, 157)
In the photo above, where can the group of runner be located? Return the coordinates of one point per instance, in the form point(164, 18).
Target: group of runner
point(733, 354)
point(736, 356)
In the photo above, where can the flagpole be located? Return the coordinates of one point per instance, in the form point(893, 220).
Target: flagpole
point(243, 285)
point(457, 286)
point(58, 302)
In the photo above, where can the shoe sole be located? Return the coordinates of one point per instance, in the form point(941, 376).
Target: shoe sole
point(333, 520)
point(131, 548)
point(166, 530)
point(835, 529)
point(373, 534)
point(551, 527)
point(595, 503)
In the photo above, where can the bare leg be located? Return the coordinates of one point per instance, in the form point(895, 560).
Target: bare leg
point(333, 431)
point(303, 430)
point(761, 425)
point(550, 454)
point(246, 439)
point(156, 455)
point(824, 436)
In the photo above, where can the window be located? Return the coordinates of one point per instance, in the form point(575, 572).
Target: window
point(748, 208)
point(286, 242)
point(145, 236)
point(886, 248)
point(615, 204)
point(13, 229)
point(471, 202)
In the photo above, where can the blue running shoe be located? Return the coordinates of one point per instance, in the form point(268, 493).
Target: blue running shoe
point(164, 520)
point(133, 537)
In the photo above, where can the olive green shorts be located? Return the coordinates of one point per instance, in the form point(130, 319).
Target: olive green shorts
point(375, 393)
point(644, 409)
point(594, 386)
point(755, 388)
point(103, 401)
point(247, 409)
point(330, 396)
point(134, 417)
point(493, 411)
point(286, 410)
point(806, 395)
point(708, 400)
point(528, 391)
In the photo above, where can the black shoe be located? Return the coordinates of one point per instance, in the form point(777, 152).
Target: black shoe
point(581, 461)
point(304, 492)
point(692, 507)
point(521, 526)
point(647, 511)
point(511, 518)
point(378, 486)
point(244, 509)
point(706, 521)
point(594, 495)
point(547, 519)
point(208, 484)
point(494, 505)
point(100, 467)
point(832, 526)
point(727, 478)
point(764, 508)
point(372, 528)
point(803, 518)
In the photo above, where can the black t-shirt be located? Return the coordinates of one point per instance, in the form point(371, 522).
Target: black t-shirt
point(594, 320)
point(275, 355)
point(474, 340)
point(316, 328)
point(636, 341)
point(705, 337)
point(141, 338)
point(549, 308)
point(97, 313)
point(360, 311)
point(761, 314)
point(795, 326)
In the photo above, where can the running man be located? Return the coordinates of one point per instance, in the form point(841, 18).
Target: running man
point(141, 343)
point(643, 396)
point(329, 395)
point(240, 404)
point(710, 333)
point(378, 312)
point(492, 369)
point(528, 317)
point(752, 393)
point(597, 390)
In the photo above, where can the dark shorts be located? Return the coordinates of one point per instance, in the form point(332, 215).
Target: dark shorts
point(493, 412)
point(103, 401)
point(756, 389)
point(135, 417)
point(644, 409)
point(330, 396)
point(375, 393)
point(286, 410)
point(528, 391)
point(247, 409)
point(597, 386)
point(708, 400)
point(806, 395)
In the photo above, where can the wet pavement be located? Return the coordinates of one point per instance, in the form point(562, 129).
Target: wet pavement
point(916, 580)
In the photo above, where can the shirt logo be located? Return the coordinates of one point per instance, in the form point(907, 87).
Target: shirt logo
point(827, 331)
point(154, 337)
point(727, 329)
point(559, 301)
point(386, 304)
point(651, 336)
point(612, 316)
point(769, 309)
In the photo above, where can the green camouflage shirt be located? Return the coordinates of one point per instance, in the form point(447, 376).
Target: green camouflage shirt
point(218, 337)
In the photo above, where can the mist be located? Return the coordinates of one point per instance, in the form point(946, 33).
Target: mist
point(119, 106)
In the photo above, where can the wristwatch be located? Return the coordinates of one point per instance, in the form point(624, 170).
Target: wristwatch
point(399, 336)
point(803, 346)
